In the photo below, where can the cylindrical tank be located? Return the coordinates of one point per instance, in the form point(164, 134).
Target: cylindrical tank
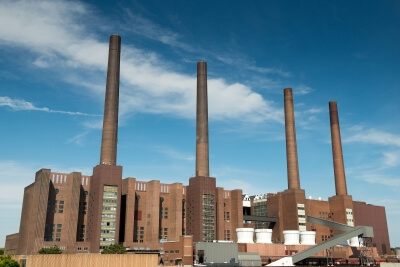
point(245, 235)
point(307, 237)
point(263, 236)
point(291, 237)
point(354, 242)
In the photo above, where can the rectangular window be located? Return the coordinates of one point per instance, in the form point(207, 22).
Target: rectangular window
point(164, 213)
point(227, 234)
point(228, 215)
point(208, 217)
point(165, 233)
point(108, 215)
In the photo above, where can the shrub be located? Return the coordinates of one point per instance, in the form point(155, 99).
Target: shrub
point(114, 249)
point(50, 250)
point(6, 261)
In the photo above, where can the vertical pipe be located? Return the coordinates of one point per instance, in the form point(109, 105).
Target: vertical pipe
point(291, 145)
point(202, 168)
point(337, 153)
point(108, 154)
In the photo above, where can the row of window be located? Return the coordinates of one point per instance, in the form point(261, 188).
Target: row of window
point(164, 213)
point(171, 251)
point(140, 234)
point(56, 206)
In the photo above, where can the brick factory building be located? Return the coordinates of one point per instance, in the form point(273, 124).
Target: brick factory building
point(84, 213)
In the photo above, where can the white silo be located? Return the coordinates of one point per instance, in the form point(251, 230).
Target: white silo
point(245, 235)
point(307, 237)
point(263, 236)
point(291, 237)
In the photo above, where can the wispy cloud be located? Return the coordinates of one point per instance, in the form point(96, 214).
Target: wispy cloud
point(361, 134)
point(55, 31)
point(78, 139)
point(233, 177)
point(309, 118)
point(154, 31)
point(303, 90)
point(23, 105)
point(93, 124)
point(381, 171)
point(151, 30)
point(173, 153)
point(245, 63)
point(391, 158)
point(377, 177)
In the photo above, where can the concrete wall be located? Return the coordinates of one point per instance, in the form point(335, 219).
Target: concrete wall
point(218, 252)
point(84, 260)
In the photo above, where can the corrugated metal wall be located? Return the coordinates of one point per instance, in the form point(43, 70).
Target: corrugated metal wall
point(98, 260)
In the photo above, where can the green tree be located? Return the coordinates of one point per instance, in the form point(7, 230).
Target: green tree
point(1, 251)
point(114, 249)
point(50, 250)
point(6, 261)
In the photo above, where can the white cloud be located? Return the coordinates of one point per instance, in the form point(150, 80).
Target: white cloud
point(173, 153)
point(93, 124)
point(153, 31)
point(376, 178)
point(391, 159)
point(244, 63)
point(78, 139)
point(56, 33)
point(372, 136)
point(23, 105)
point(381, 171)
point(302, 90)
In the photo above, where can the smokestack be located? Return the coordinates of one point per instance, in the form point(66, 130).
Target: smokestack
point(202, 168)
point(337, 153)
point(110, 120)
point(291, 145)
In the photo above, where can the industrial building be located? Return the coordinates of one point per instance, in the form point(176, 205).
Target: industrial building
point(84, 213)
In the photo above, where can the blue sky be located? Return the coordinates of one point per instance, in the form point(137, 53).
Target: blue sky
point(53, 58)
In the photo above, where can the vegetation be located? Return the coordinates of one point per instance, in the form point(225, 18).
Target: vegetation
point(114, 249)
point(7, 261)
point(50, 250)
point(1, 251)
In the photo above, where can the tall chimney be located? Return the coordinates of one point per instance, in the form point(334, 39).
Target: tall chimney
point(337, 153)
point(291, 145)
point(202, 168)
point(110, 120)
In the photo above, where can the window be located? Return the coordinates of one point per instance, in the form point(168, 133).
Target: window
point(141, 234)
point(227, 234)
point(165, 233)
point(164, 213)
point(108, 215)
point(208, 217)
point(227, 216)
